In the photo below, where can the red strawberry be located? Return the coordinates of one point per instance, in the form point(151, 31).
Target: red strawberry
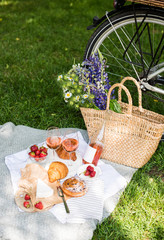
point(37, 152)
point(27, 197)
point(44, 149)
point(32, 154)
point(26, 204)
point(39, 205)
point(92, 174)
point(87, 173)
point(42, 154)
point(37, 158)
point(90, 168)
point(34, 148)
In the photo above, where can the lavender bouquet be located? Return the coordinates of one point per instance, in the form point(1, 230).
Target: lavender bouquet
point(87, 85)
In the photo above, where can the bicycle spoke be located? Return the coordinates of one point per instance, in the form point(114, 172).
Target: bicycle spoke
point(130, 71)
point(135, 46)
point(121, 53)
point(117, 61)
point(123, 46)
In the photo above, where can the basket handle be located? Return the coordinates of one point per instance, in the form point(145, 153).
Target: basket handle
point(138, 88)
point(127, 93)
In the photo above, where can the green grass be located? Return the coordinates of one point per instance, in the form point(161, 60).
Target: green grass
point(38, 41)
point(139, 213)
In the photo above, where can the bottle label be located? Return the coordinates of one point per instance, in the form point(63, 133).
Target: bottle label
point(89, 154)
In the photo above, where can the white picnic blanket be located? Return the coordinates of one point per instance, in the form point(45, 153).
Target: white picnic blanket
point(47, 225)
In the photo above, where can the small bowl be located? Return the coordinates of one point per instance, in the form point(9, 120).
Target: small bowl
point(37, 159)
point(81, 172)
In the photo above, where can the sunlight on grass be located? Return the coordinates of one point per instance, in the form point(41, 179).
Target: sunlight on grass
point(39, 41)
point(5, 3)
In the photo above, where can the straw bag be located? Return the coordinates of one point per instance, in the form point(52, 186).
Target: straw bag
point(131, 137)
point(156, 3)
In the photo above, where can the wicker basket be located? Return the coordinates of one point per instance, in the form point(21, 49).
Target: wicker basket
point(156, 3)
point(130, 138)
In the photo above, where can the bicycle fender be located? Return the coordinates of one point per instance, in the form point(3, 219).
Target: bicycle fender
point(97, 21)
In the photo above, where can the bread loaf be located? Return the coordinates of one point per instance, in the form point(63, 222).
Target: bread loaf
point(56, 171)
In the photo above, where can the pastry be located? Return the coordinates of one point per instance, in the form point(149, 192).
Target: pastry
point(74, 187)
point(63, 154)
point(56, 171)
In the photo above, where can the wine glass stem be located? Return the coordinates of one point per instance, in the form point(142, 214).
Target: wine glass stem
point(70, 160)
point(54, 155)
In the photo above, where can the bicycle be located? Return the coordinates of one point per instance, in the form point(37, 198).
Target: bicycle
point(131, 38)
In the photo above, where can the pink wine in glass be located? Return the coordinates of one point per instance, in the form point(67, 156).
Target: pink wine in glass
point(70, 144)
point(53, 142)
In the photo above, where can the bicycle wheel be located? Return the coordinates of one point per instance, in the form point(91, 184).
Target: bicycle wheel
point(112, 38)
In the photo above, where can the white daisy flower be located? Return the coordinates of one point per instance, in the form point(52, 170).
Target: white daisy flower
point(77, 98)
point(60, 77)
point(69, 78)
point(85, 96)
point(68, 95)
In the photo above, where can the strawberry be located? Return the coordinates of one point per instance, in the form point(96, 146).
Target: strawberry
point(39, 205)
point(44, 149)
point(34, 148)
point(42, 154)
point(90, 168)
point(92, 174)
point(32, 154)
point(37, 158)
point(37, 152)
point(87, 173)
point(26, 204)
point(27, 197)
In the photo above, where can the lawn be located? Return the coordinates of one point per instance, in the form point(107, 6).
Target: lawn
point(40, 40)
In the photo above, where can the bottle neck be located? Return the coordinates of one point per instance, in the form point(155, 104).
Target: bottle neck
point(99, 143)
point(100, 135)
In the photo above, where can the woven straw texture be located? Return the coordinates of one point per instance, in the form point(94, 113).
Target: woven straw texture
point(156, 3)
point(131, 137)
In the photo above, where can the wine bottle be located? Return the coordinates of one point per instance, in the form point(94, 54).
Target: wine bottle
point(95, 149)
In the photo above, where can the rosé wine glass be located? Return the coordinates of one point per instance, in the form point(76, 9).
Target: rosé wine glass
point(70, 143)
point(54, 139)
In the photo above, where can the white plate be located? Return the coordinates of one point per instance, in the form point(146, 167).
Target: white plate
point(81, 172)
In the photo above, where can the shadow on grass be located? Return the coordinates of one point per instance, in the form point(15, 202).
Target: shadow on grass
point(111, 230)
point(155, 172)
point(159, 233)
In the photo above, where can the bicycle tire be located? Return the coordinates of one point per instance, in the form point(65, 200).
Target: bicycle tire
point(124, 18)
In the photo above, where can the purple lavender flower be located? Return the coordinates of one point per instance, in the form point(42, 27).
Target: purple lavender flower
point(95, 76)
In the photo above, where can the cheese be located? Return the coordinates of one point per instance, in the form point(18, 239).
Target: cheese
point(43, 190)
